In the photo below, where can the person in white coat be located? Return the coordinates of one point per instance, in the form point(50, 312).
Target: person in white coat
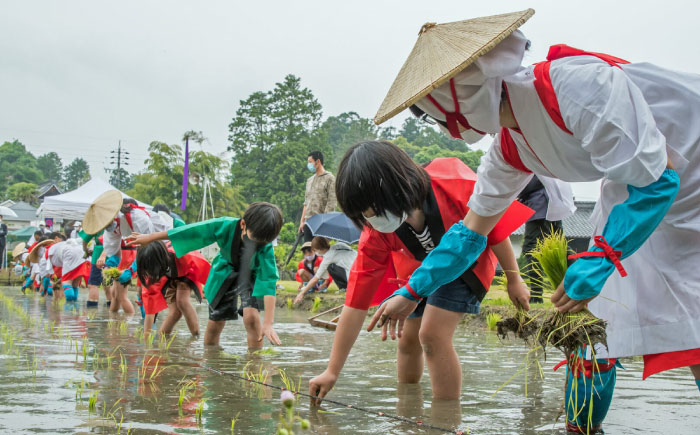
point(579, 116)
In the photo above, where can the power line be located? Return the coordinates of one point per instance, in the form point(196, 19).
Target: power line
point(119, 157)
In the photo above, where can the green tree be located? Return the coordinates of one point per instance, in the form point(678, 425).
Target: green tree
point(23, 192)
point(271, 136)
point(161, 181)
point(121, 179)
point(17, 165)
point(346, 130)
point(51, 167)
point(424, 135)
point(76, 174)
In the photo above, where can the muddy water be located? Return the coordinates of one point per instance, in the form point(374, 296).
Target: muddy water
point(49, 399)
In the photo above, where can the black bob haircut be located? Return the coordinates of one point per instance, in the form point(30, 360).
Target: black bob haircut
point(161, 207)
point(264, 220)
point(57, 234)
point(153, 261)
point(38, 234)
point(126, 201)
point(378, 174)
point(316, 155)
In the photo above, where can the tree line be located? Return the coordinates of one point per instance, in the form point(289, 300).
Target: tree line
point(270, 137)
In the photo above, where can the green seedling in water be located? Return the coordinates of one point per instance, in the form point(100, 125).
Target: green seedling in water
point(258, 378)
point(492, 320)
point(290, 303)
point(200, 411)
point(233, 423)
point(155, 373)
point(85, 349)
point(123, 327)
point(122, 364)
point(185, 389)
point(163, 342)
point(289, 383)
point(79, 390)
point(316, 305)
point(149, 339)
point(267, 351)
point(92, 403)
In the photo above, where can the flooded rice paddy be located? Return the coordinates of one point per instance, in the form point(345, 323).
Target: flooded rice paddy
point(65, 369)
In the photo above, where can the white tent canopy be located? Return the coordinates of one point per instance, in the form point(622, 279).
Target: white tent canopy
point(74, 204)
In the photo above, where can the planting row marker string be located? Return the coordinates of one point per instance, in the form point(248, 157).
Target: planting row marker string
point(418, 423)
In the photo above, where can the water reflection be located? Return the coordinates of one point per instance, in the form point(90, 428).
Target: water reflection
point(527, 404)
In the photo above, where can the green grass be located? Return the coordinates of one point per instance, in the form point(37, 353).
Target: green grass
point(492, 320)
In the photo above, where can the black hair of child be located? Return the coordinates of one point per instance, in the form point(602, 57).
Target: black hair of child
point(152, 262)
point(126, 201)
point(316, 155)
point(264, 220)
point(161, 207)
point(38, 234)
point(57, 234)
point(381, 176)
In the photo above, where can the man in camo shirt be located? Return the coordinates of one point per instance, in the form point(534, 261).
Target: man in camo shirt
point(320, 192)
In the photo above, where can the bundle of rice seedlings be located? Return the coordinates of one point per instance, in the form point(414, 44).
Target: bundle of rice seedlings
point(109, 274)
point(567, 332)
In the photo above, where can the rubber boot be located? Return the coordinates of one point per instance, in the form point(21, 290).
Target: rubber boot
point(589, 392)
point(697, 382)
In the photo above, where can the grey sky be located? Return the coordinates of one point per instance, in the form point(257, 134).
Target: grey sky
point(77, 76)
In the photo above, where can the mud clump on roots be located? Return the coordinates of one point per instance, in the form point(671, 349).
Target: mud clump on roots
point(571, 331)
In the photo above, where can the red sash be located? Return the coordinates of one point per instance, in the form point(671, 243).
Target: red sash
point(127, 215)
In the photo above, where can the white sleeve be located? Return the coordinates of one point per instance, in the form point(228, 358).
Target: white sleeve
point(111, 240)
point(606, 111)
point(141, 221)
point(497, 182)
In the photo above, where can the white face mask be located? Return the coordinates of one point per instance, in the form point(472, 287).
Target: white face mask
point(308, 257)
point(388, 223)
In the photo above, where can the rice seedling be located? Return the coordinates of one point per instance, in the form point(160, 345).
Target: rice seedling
point(200, 411)
point(79, 390)
point(149, 379)
point(258, 378)
point(316, 305)
point(492, 320)
point(289, 383)
point(266, 351)
point(91, 315)
point(122, 364)
point(123, 327)
point(565, 331)
point(92, 403)
point(233, 423)
point(187, 389)
point(290, 303)
point(149, 339)
point(109, 274)
point(84, 349)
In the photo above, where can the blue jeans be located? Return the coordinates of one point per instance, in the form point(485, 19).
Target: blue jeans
point(454, 296)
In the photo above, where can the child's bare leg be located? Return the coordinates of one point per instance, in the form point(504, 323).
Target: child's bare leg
point(148, 323)
point(122, 296)
point(93, 293)
point(410, 353)
point(253, 327)
point(437, 329)
point(184, 304)
point(213, 332)
point(168, 324)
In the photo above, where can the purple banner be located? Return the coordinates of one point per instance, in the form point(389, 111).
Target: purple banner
point(185, 175)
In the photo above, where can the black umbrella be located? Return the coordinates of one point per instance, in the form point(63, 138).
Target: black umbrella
point(334, 226)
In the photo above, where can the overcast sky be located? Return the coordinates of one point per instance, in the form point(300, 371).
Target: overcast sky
point(78, 76)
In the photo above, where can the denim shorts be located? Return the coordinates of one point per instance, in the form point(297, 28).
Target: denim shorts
point(454, 296)
point(95, 275)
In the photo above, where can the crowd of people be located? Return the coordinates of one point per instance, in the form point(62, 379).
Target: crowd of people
point(432, 236)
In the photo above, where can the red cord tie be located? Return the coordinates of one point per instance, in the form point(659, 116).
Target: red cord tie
point(607, 251)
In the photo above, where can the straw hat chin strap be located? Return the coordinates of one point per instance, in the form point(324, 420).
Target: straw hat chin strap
point(453, 119)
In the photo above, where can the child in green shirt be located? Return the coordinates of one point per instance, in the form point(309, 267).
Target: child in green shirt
point(245, 266)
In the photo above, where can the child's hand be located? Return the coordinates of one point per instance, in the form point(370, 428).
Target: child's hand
point(519, 294)
point(299, 297)
point(269, 332)
point(137, 239)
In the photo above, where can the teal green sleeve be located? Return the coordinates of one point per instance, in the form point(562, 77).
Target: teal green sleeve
point(177, 223)
point(194, 236)
point(85, 236)
point(266, 275)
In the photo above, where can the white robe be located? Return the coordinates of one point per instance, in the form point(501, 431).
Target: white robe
point(624, 123)
point(112, 237)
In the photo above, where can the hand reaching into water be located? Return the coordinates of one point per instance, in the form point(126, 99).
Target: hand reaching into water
point(393, 313)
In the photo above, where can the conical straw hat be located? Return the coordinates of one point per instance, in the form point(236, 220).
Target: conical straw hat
point(102, 211)
point(19, 249)
point(442, 51)
point(33, 256)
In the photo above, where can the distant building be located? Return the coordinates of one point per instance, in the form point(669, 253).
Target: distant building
point(578, 229)
point(26, 215)
point(47, 189)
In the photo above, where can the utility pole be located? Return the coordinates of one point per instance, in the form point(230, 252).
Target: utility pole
point(119, 157)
